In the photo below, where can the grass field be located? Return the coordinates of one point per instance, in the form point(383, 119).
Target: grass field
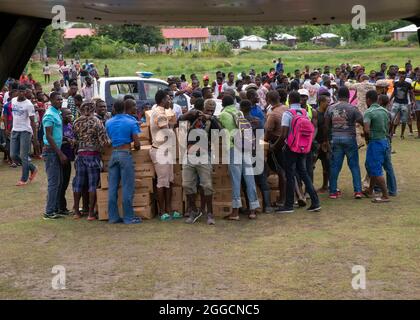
point(296, 256)
point(163, 65)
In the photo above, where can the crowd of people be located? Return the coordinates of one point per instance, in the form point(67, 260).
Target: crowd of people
point(306, 116)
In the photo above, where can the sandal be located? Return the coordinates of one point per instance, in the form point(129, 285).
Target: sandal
point(165, 217)
point(380, 200)
point(252, 216)
point(92, 218)
point(232, 218)
point(176, 215)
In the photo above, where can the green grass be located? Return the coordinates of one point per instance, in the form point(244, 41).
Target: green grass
point(308, 256)
point(163, 65)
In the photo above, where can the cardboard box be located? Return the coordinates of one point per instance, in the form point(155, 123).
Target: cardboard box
point(221, 181)
point(177, 193)
point(144, 170)
point(273, 181)
point(178, 179)
point(142, 200)
point(146, 212)
point(102, 195)
point(177, 168)
point(144, 185)
point(222, 195)
point(104, 180)
point(142, 156)
point(178, 205)
point(222, 209)
point(274, 195)
point(220, 170)
point(145, 133)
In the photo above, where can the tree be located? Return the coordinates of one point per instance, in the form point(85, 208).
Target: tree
point(149, 36)
point(305, 33)
point(52, 39)
point(233, 33)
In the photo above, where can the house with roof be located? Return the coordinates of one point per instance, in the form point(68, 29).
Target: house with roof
point(327, 39)
point(252, 42)
point(71, 33)
point(404, 32)
point(189, 39)
point(285, 39)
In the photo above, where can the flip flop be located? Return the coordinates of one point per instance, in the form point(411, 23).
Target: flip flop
point(380, 200)
point(252, 216)
point(177, 215)
point(165, 217)
point(231, 218)
point(92, 218)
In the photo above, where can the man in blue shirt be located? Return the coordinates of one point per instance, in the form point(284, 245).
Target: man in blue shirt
point(122, 129)
point(256, 110)
point(52, 154)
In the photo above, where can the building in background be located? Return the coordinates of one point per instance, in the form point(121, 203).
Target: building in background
point(285, 39)
point(252, 42)
point(71, 33)
point(190, 39)
point(403, 33)
point(328, 39)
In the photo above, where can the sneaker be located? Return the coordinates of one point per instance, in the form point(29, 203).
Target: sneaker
point(64, 212)
point(50, 216)
point(194, 216)
point(313, 208)
point(270, 210)
point(210, 220)
point(285, 210)
point(335, 195)
point(358, 195)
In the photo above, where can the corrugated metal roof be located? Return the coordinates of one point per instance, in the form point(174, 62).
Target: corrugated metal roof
point(185, 33)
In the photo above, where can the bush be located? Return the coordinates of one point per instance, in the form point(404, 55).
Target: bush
point(277, 47)
point(413, 38)
point(220, 49)
point(309, 46)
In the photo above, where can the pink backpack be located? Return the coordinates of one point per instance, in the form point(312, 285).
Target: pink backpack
point(301, 132)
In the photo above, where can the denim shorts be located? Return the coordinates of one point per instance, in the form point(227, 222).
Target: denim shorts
point(375, 157)
point(402, 109)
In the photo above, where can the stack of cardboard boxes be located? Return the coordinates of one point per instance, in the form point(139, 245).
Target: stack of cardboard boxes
point(144, 201)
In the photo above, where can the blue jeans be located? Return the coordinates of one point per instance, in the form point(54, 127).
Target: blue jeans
point(121, 168)
point(295, 163)
point(345, 146)
point(237, 171)
point(55, 179)
point(20, 145)
point(391, 181)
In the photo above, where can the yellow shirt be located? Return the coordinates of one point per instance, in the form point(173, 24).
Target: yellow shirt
point(416, 86)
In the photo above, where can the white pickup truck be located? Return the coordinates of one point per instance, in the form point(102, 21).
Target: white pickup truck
point(142, 89)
